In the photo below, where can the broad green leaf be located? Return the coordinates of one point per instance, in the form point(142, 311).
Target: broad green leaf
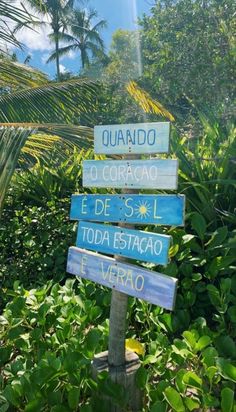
point(174, 399)
point(179, 380)
point(203, 342)
point(141, 377)
point(232, 313)
point(5, 353)
point(190, 339)
point(209, 356)
point(226, 369)
point(73, 398)
point(226, 346)
point(198, 224)
point(192, 404)
point(159, 407)
point(11, 395)
point(211, 372)
point(217, 237)
point(191, 379)
point(34, 405)
point(227, 400)
point(92, 339)
point(4, 405)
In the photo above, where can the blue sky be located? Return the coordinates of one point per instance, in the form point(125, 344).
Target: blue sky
point(118, 14)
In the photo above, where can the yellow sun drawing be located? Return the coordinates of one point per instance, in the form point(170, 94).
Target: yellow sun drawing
point(142, 209)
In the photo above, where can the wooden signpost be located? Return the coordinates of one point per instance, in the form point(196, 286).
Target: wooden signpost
point(127, 209)
point(134, 244)
point(136, 174)
point(132, 138)
point(139, 209)
point(129, 279)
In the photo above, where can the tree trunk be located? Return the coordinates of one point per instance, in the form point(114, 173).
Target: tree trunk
point(57, 55)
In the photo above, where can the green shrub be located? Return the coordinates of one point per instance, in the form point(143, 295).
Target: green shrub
point(48, 338)
point(34, 241)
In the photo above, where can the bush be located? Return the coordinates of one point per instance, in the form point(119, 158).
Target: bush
point(48, 338)
point(34, 242)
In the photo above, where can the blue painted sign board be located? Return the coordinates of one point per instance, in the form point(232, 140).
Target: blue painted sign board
point(136, 174)
point(130, 279)
point(136, 209)
point(137, 138)
point(115, 240)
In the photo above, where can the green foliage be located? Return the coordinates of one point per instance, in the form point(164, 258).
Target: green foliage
point(34, 244)
point(55, 176)
point(51, 333)
point(188, 52)
point(49, 336)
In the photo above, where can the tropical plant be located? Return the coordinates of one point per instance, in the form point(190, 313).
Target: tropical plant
point(58, 12)
point(34, 99)
point(11, 12)
point(188, 52)
point(83, 36)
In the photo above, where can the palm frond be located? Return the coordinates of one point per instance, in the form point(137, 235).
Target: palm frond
point(11, 142)
point(15, 75)
point(80, 136)
point(61, 52)
point(32, 141)
point(10, 12)
point(146, 102)
point(57, 102)
point(37, 146)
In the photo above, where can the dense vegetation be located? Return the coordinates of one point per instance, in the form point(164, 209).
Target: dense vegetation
point(51, 325)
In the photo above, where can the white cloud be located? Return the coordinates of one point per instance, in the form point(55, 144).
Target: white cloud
point(62, 68)
point(70, 55)
point(36, 39)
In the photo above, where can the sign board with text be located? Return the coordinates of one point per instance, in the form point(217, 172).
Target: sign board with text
point(130, 279)
point(136, 209)
point(115, 240)
point(134, 174)
point(142, 138)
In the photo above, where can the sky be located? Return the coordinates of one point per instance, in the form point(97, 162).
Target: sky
point(118, 14)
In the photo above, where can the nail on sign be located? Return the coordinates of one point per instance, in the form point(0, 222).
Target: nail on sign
point(114, 240)
point(130, 279)
point(132, 138)
point(141, 209)
point(136, 174)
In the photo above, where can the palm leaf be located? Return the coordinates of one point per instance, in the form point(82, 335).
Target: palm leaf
point(57, 102)
point(13, 75)
point(10, 12)
point(146, 102)
point(31, 140)
point(11, 142)
point(80, 136)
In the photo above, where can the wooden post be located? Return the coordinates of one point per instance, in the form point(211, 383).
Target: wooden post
point(118, 311)
point(121, 364)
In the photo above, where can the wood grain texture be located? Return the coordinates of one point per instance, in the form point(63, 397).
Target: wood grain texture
point(136, 174)
point(135, 209)
point(142, 138)
point(132, 280)
point(114, 240)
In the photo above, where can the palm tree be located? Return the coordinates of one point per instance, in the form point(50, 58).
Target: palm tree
point(58, 12)
point(83, 37)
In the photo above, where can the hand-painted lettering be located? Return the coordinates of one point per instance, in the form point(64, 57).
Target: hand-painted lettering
point(84, 206)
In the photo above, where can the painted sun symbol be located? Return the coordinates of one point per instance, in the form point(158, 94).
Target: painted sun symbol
point(142, 209)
